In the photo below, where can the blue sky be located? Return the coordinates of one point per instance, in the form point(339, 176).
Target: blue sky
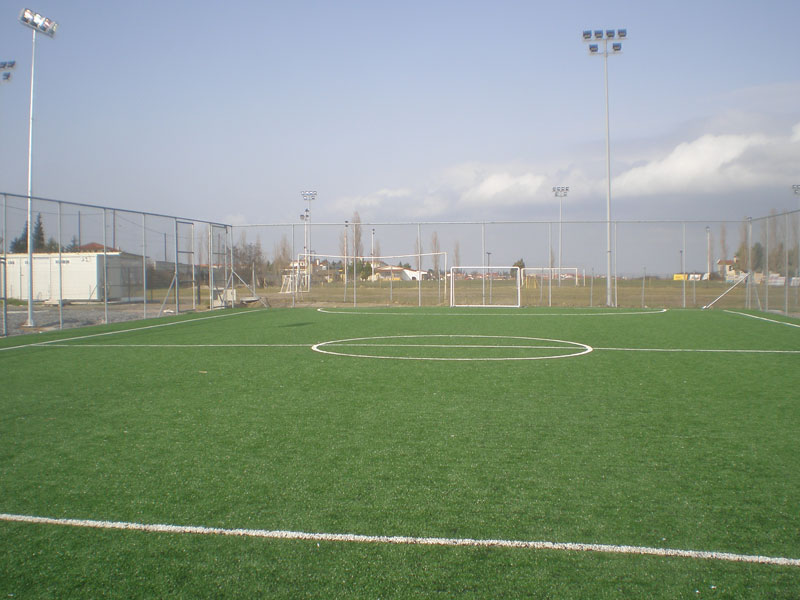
point(436, 110)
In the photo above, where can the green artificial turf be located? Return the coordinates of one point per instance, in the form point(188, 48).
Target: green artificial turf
point(234, 422)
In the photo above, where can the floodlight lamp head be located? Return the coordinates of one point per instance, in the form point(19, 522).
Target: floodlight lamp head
point(610, 34)
point(587, 35)
point(616, 47)
point(796, 188)
point(593, 48)
point(622, 33)
point(9, 64)
point(38, 22)
point(598, 34)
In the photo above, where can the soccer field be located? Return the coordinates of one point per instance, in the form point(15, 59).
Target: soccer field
point(404, 453)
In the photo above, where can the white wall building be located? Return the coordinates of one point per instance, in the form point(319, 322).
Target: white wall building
point(78, 276)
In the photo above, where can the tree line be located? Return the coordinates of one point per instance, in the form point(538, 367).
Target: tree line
point(19, 245)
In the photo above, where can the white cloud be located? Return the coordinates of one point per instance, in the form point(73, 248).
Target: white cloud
point(710, 163)
point(236, 219)
point(492, 185)
point(796, 133)
point(379, 200)
point(504, 188)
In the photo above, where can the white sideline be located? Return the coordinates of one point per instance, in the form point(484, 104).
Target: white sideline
point(59, 345)
point(406, 540)
point(741, 314)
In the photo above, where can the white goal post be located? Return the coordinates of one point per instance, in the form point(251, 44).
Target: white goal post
point(494, 286)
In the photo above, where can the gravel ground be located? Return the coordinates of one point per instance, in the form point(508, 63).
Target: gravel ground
point(72, 315)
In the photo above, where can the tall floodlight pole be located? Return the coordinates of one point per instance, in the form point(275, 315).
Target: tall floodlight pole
point(304, 219)
point(560, 191)
point(796, 189)
point(489, 273)
point(345, 261)
point(372, 255)
point(308, 196)
point(594, 38)
point(48, 27)
point(708, 252)
point(6, 67)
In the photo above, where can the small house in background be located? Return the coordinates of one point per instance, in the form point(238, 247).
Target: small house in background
point(398, 273)
point(729, 269)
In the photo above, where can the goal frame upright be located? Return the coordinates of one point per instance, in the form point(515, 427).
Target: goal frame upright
point(486, 269)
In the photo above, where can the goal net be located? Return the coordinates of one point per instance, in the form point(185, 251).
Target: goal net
point(485, 286)
point(536, 276)
point(369, 279)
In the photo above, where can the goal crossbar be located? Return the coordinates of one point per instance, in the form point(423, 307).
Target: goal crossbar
point(493, 285)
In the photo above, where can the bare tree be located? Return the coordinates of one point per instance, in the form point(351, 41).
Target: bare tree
point(358, 248)
point(248, 259)
point(434, 249)
point(723, 242)
point(777, 237)
point(418, 251)
point(283, 254)
point(741, 254)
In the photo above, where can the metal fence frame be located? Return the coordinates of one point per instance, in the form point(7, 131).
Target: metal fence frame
point(770, 244)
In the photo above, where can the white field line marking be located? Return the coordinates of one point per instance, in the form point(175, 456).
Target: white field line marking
point(158, 325)
point(320, 347)
point(405, 540)
point(55, 345)
point(744, 351)
point(453, 346)
point(338, 345)
point(490, 314)
point(733, 312)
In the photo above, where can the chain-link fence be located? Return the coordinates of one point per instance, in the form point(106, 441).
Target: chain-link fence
point(673, 264)
point(94, 264)
point(90, 264)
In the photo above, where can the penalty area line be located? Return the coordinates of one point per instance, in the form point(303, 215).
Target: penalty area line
point(404, 540)
point(741, 314)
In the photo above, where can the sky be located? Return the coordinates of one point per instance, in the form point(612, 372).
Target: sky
point(434, 110)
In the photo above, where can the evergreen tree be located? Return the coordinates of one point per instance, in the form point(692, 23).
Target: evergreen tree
point(38, 235)
point(20, 245)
